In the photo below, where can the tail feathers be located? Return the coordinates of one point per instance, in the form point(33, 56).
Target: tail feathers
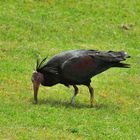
point(122, 65)
point(124, 54)
point(118, 56)
point(112, 56)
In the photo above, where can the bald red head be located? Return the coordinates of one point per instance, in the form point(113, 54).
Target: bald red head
point(37, 78)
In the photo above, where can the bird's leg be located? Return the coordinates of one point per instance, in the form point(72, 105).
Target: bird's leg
point(75, 93)
point(91, 90)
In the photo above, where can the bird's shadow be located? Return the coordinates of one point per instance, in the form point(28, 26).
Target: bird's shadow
point(66, 104)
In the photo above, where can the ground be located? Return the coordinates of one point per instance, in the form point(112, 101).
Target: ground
point(32, 28)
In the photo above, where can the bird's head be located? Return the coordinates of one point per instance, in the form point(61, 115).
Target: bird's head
point(37, 79)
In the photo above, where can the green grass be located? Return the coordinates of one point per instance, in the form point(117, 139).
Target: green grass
point(46, 27)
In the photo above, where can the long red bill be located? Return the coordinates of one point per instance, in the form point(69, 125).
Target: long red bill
point(36, 87)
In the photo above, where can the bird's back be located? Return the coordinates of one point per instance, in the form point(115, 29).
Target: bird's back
point(62, 57)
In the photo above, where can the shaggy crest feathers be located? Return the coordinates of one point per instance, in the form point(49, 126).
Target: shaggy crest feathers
point(40, 64)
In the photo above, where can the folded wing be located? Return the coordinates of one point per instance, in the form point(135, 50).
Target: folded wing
point(79, 68)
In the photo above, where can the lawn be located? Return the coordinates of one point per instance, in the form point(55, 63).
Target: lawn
point(29, 28)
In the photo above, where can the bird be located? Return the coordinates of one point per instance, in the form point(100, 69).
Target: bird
point(75, 67)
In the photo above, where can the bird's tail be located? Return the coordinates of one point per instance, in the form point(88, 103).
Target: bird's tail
point(121, 55)
point(121, 65)
point(112, 56)
point(124, 54)
point(118, 56)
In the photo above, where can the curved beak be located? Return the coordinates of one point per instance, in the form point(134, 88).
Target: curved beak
point(36, 79)
point(35, 87)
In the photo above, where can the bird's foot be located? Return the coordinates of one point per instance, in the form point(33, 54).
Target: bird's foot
point(35, 102)
point(72, 103)
point(93, 103)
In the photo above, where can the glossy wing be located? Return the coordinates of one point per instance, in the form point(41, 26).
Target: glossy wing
point(78, 68)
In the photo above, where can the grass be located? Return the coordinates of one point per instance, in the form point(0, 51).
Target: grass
point(46, 27)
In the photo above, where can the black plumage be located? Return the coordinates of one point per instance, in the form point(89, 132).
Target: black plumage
point(77, 67)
